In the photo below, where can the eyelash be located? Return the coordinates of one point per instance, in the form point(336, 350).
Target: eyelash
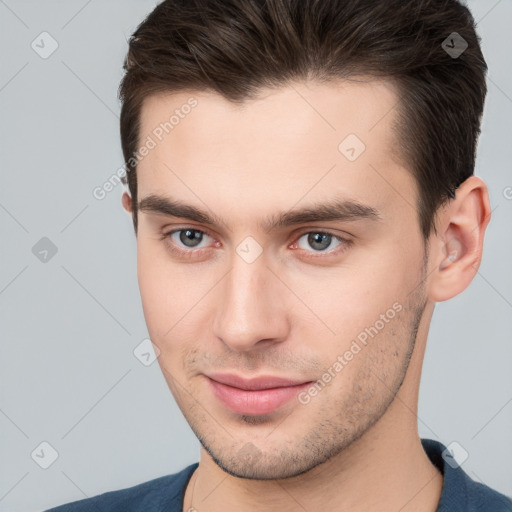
point(192, 253)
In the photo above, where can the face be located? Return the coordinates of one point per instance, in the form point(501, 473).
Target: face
point(282, 337)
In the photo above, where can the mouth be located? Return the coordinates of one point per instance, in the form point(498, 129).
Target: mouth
point(256, 396)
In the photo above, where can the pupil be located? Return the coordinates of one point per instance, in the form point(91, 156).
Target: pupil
point(190, 235)
point(319, 238)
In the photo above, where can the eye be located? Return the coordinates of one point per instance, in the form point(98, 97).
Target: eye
point(189, 237)
point(185, 242)
point(320, 241)
point(188, 242)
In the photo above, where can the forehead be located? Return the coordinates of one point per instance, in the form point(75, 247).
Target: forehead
point(336, 107)
point(303, 139)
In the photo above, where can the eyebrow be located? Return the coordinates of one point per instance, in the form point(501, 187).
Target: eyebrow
point(330, 210)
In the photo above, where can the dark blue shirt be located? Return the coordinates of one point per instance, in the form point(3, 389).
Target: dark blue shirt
point(165, 494)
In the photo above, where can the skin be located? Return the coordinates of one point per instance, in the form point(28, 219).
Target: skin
point(355, 445)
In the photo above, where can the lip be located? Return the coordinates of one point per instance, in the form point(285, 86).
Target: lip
point(256, 396)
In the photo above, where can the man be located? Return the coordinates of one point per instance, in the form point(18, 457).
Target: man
point(299, 211)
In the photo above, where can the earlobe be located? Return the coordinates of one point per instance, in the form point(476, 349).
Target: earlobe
point(127, 202)
point(458, 251)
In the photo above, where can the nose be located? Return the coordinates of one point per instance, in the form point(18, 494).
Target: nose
point(251, 307)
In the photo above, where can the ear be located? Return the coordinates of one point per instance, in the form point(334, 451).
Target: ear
point(127, 202)
point(457, 249)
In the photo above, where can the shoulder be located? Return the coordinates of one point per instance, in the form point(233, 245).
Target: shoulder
point(483, 498)
point(163, 493)
point(460, 492)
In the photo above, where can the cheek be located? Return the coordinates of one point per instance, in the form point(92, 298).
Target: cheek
point(350, 299)
point(157, 290)
point(358, 302)
point(171, 296)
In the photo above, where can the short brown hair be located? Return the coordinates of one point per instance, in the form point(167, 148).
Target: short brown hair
point(237, 47)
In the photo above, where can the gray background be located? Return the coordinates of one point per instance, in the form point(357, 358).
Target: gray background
point(69, 326)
